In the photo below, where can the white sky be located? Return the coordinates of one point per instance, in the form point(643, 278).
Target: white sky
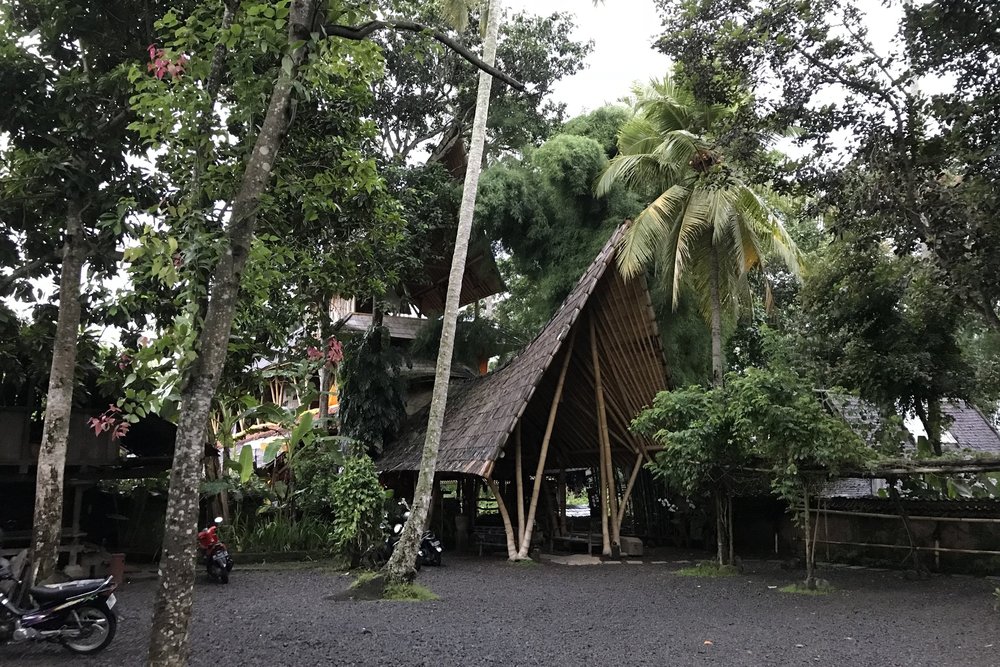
point(623, 32)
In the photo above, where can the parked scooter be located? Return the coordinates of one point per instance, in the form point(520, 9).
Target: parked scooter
point(77, 614)
point(214, 553)
point(429, 552)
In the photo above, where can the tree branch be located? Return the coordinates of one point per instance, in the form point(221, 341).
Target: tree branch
point(23, 270)
point(362, 31)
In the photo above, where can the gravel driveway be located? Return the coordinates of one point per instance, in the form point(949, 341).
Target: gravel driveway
point(492, 612)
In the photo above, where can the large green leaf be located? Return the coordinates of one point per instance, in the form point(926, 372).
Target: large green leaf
point(246, 463)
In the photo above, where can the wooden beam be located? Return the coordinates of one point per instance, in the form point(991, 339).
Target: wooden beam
point(508, 529)
point(519, 477)
point(628, 491)
point(540, 472)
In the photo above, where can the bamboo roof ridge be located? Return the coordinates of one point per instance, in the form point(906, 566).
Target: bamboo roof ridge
point(483, 413)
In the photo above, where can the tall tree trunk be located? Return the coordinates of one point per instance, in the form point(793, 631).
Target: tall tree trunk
point(400, 567)
point(720, 528)
point(58, 403)
point(718, 361)
point(934, 424)
point(172, 610)
point(807, 530)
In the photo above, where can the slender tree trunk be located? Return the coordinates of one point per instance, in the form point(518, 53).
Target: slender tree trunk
point(807, 530)
point(47, 525)
point(172, 610)
point(934, 424)
point(400, 567)
point(718, 360)
point(325, 372)
point(720, 528)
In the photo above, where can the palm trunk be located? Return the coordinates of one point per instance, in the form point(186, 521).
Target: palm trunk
point(400, 567)
point(58, 404)
point(172, 610)
point(718, 361)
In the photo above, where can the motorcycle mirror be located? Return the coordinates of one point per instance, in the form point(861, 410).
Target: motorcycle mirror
point(218, 520)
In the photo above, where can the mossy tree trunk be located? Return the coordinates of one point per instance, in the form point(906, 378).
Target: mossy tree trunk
point(174, 597)
point(47, 526)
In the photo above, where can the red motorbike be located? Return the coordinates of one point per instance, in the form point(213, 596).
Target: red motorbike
point(214, 553)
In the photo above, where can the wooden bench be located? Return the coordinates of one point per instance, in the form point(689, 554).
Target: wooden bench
point(489, 538)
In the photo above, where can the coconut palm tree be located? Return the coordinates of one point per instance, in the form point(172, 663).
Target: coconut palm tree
point(705, 224)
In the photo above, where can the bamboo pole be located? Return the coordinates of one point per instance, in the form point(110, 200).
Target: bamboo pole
point(561, 497)
point(519, 477)
point(908, 547)
point(540, 471)
point(602, 421)
point(507, 528)
point(605, 533)
point(628, 491)
point(875, 515)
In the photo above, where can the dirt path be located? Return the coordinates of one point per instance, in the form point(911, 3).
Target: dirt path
point(495, 613)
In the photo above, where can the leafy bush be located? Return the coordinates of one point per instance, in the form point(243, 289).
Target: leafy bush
point(357, 500)
point(277, 533)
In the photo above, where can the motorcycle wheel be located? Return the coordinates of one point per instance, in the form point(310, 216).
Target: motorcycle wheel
point(97, 625)
point(435, 558)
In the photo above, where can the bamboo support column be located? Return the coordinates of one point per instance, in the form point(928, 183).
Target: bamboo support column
point(507, 527)
point(519, 477)
point(561, 498)
point(605, 443)
point(603, 494)
point(540, 471)
point(628, 493)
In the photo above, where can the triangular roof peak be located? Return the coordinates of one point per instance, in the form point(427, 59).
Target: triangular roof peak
point(483, 413)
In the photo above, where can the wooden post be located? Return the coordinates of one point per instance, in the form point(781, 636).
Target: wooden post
point(539, 472)
point(628, 492)
point(561, 498)
point(604, 442)
point(519, 477)
point(508, 529)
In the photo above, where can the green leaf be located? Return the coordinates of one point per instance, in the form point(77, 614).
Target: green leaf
point(246, 463)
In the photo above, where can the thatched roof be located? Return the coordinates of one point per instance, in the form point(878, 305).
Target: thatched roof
point(483, 413)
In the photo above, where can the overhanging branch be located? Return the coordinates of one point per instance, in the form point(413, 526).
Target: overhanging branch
point(364, 30)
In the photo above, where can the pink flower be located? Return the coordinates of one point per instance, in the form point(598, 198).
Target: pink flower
point(313, 354)
point(334, 351)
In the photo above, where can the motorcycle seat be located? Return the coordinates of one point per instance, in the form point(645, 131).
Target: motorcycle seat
point(70, 589)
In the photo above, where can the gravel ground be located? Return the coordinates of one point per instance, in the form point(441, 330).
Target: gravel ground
point(492, 612)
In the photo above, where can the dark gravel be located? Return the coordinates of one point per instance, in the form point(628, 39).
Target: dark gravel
point(492, 612)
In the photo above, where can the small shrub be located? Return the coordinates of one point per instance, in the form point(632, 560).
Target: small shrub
point(277, 533)
point(822, 588)
point(357, 499)
point(708, 569)
point(408, 593)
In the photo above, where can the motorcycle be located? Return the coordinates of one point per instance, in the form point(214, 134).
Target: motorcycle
point(77, 614)
point(429, 552)
point(214, 553)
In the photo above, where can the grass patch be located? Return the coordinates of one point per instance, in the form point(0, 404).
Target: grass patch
point(408, 593)
point(364, 578)
point(527, 562)
point(708, 569)
point(802, 589)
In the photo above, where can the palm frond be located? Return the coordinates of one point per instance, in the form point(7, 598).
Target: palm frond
point(644, 237)
point(769, 232)
point(640, 172)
